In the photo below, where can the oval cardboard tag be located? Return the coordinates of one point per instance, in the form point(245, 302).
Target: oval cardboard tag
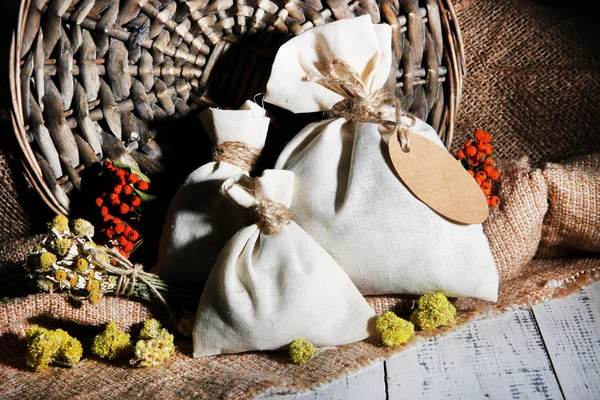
point(439, 180)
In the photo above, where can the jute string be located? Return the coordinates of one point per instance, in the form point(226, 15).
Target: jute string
point(359, 104)
point(236, 153)
point(270, 214)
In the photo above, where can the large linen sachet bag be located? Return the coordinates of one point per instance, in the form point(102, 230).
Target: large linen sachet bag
point(348, 197)
point(199, 222)
point(272, 283)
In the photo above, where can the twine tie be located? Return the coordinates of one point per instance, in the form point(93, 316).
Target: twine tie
point(236, 153)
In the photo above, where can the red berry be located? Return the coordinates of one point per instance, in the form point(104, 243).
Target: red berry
point(128, 230)
point(99, 202)
point(133, 178)
point(128, 247)
point(142, 185)
point(110, 233)
point(133, 235)
point(119, 228)
point(123, 241)
point(127, 189)
point(136, 201)
point(108, 217)
point(108, 163)
point(104, 211)
point(116, 221)
point(117, 189)
point(120, 172)
point(124, 209)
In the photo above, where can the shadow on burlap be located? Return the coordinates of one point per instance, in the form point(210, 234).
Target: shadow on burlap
point(533, 83)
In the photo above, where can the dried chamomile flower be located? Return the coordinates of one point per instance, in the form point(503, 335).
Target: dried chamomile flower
point(60, 223)
point(62, 246)
point(81, 228)
point(434, 311)
point(81, 265)
point(46, 261)
point(112, 343)
point(393, 330)
point(301, 351)
point(70, 350)
point(94, 297)
point(153, 352)
point(185, 326)
point(150, 330)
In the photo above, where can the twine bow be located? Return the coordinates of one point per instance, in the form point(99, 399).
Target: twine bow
point(270, 214)
point(358, 103)
point(236, 153)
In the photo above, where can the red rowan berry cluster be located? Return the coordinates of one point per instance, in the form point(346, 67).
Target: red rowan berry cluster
point(476, 157)
point(120, 202)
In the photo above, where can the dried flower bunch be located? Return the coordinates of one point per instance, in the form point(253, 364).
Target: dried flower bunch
point(46, 346)
point(433, 311)
point(124, 191)
point(68, 260)
point(393, 330)
point(155, 344)
point(477, 158)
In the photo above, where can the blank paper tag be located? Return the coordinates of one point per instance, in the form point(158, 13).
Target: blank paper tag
point(439, 180)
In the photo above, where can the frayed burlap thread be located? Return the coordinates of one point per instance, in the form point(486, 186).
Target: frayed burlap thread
point(236, 153)
point(358, 103)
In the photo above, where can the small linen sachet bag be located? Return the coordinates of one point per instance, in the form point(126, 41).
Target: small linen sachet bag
point(272, 283)
point(199, 222)
point(348, 196)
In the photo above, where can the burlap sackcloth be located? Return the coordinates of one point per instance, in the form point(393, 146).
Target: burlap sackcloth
point(518, 54)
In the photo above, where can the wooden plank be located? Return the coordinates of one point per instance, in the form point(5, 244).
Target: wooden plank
point(571, 331)
point(368, 384)
point(502, 357)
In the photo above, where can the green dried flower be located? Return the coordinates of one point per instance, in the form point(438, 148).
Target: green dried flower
point(60, 223)
point(46, 261)
point(434, 311)
point(301, 351)
point(150, 330)
point(153, 352)
point(393, 330)
point(62, 246)
point(112, 343)
point(81, 227)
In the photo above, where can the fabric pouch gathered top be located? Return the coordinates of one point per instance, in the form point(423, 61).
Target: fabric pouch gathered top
point(199, 222)
point(348, 197)
point(272, 283)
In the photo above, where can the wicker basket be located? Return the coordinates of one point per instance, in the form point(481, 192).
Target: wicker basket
point(95, 78)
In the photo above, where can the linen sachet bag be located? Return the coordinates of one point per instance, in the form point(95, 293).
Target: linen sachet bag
point(272, 283)
point(199, 222)
point(348, 196)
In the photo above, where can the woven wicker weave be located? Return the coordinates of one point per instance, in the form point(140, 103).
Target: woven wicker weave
point(85, 73)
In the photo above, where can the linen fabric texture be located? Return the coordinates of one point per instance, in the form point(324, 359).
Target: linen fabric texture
point(199, 222)
point(347, 196)
point(265, 290)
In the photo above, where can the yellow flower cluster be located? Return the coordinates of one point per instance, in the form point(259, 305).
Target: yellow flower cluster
point(45, 346)
point(433, 311)
point(393, 330)
point(301, 351)
point(154, 347)
point(113, 343)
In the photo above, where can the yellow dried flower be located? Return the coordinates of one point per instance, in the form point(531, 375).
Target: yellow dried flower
point(81, 227)
point(73, 281)
point(112, 343)
point(150, 330)
point(46, 261)
point(62, 246)
point(153, 352)
point(60, 275)
point(44, 285)
point(94, 297)
point(60, 223)
point(393, 330)
point(92, 285)
point(42, 345)
point(434, 311)
point(186, 324)
point(301, 351)
point(70, 350)
point(82, 265)
point(101, 257)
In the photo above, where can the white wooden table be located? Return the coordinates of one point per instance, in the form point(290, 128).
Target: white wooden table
point(550, 352)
